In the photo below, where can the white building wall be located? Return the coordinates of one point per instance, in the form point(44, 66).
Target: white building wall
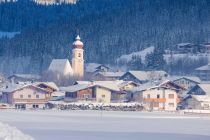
point(103, 95)
point(163, 95)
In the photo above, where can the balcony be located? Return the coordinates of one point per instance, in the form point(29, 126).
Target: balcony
point(157, 100)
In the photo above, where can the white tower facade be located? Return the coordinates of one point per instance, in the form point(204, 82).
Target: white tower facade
point(78, 58)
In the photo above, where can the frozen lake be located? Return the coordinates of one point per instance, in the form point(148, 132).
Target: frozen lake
point(97, 125)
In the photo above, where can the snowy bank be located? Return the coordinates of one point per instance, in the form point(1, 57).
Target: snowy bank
point(11, 133)
point(96, 106)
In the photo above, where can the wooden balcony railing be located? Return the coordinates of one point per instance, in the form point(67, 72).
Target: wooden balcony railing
point(158, 100)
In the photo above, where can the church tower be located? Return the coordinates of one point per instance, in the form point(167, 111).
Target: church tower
point(77, 58)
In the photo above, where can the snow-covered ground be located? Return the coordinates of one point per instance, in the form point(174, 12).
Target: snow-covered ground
point(142, 54)
point(97, 125)
point(8, 34)
point(11, 133)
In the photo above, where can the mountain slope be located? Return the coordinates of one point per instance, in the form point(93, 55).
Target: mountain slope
point(109, 28)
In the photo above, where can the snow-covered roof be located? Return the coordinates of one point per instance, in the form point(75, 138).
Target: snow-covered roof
point(58, 93)
point(75, 88)
point(10, 87)
point(204, 68)
point(111, 74)
point(143, 87)
point(205, 88)
point(184, 44)
point(26, 76)
point(147, 75)
point(49, 84)
point(192, 78)
point(124, 83)
point(91, 67)
point(8, 34)
point(61, 66)
point(141, 75)
point(112, 85)
point(202, 98)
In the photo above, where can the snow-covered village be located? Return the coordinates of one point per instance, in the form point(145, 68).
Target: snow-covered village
point(114, 69)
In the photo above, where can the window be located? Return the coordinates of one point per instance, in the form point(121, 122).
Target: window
point(86, 96)
point(171, 96)
point(148, 96)
point(21, 96)
point(103, 96)
point(29, 96)
point(37, 96)
point(171, 104)
point(79, 54)
point(158, 96)
point(35, 106)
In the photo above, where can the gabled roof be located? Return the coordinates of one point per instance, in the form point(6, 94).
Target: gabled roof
point(11, 87)
point(62, 66)
point(102, 65)
point(125, 83)
point(49, 84)
point(111, 85)
point(111, 74)
point(75, 88)
point(174, 85)
point(140, 75)
point(146, 75)
point(204, 68)
point(205, 88)
point(202, 98)
point(26, 76)
point(93, 67)
point(142, 87)
point(191, 78)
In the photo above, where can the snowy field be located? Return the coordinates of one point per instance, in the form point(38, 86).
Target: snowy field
point(97, 125)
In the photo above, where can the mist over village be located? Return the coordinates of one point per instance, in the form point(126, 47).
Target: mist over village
point(104, 69)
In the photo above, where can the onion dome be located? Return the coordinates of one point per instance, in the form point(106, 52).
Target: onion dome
point(77, 43)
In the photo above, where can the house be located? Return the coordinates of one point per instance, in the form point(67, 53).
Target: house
point(186, 48)
point(107, 76)
point(95, 68)
point(156, 97)
point(127, 85)
point(97, 91)
point(122, 85)
point(172, 85)
point(200, 89)
point(26, 96)
point(200, 102)
point(205, 48)
point(203, 72)
point(144, 76)
point(160, 98)
point(186, 82)
point(63, 68)
point(136, 94)
point(15, 78)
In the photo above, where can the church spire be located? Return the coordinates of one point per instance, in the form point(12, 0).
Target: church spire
point(78, 43)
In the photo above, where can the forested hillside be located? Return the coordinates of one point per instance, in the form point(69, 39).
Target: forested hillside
point(109, 28)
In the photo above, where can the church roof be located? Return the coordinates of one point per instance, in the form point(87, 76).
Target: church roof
point(61, 66)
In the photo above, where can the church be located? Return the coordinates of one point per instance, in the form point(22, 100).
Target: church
point(62, 67)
